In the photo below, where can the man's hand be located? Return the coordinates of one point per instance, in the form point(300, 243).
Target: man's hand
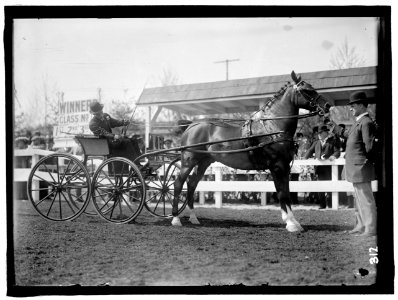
point(332, 158)
point(116, 137)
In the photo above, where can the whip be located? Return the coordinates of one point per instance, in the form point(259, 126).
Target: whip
point(124, 130)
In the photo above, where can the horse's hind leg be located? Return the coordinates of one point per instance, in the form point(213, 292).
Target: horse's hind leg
point(178, 185)
point(281, 180)
point(192, 184)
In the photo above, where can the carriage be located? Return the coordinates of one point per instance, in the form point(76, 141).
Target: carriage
point(116, 183)
point(125, 182)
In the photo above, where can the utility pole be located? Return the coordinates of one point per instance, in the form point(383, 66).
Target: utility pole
point(99, 90)
point(227, 61)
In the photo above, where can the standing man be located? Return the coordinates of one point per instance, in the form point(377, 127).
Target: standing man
point(359, 168)
point(326, 147)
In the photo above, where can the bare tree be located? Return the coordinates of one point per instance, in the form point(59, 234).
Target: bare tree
point(346, 57)
point(169, 78)
point(42, 108)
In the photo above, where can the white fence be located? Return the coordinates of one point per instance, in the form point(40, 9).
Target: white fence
point(218, 186)
point(334, 186)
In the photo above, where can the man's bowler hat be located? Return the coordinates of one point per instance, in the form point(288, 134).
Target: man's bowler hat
point(358, 97)
point(323, 128)
point(95, 107)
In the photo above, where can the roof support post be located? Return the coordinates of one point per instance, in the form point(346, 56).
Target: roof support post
point(147, 126)
point(155, 116)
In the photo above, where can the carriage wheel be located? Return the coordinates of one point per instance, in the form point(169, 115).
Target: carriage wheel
point(118, 190)
point(59, 187)
point(160, 189)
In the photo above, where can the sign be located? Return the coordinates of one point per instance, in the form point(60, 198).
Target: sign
point(73, 118)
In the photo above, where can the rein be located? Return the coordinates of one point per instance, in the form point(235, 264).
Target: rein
point(279, 136)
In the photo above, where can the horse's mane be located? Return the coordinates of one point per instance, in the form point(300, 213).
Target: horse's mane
point(282, 90)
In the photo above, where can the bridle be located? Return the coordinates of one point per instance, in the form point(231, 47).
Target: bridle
point(312, 100)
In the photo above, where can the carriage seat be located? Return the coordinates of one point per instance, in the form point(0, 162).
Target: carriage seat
point(99, 146)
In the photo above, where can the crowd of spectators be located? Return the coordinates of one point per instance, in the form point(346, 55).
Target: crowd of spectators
point(24, 140)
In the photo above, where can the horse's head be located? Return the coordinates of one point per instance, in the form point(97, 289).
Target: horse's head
point(308, 98)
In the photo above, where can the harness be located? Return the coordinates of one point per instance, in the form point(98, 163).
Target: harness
point(254, 144)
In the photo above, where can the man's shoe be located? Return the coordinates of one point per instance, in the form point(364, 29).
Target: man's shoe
point(366, 234)
point(322, 207)
point(355, 231)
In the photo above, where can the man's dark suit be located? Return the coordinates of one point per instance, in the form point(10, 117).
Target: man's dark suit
point(359, 170)
point(360, 151)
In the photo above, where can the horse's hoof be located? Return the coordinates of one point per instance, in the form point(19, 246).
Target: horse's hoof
point(299, 226)
point(176, 222)
point(194, 220)
point(294, 228)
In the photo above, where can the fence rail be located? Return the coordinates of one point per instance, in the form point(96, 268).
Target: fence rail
point(218, 185)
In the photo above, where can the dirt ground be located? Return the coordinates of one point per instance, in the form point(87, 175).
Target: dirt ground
point(231, 246)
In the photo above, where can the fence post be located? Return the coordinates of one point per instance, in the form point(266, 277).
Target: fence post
point(335, 195)
point(218, 195)
point(35, 182)
point(263, 198)
point(201, 198)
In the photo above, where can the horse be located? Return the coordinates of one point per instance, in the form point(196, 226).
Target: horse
point(266, 143)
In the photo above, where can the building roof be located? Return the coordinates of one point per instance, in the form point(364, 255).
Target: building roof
point(245, 95)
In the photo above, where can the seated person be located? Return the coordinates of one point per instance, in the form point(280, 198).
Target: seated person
point(21, 141)
point(101, 125)
point(38, 141)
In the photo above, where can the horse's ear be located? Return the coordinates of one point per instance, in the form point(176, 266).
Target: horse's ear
point(295, 78)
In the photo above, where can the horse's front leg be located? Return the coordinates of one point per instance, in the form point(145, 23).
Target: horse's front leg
point(281, 181)
point(178, 185)
point(192, 184)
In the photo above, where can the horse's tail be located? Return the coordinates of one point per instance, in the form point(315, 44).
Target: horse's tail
point(182, 125)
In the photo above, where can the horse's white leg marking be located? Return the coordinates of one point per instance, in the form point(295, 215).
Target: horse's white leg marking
point(294, 220)
point(192, 217)
point(284, 215)
point(176, 221)
point(292, 225)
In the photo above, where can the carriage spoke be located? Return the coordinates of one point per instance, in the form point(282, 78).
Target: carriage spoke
point(114, 173)
point(168, 179)
point(106, 176)
point(81, 196)
point(153, 197)
point(73, 187)
point(41, 200)
point(113, 206)
point(40, 189)
point(131, 174)
point(58, 170)
point(67, 202)
point(48, 171)
point(44, 179)
point(65, 172)
point(60, 205)
point(106, 203)
point(103, 194)
point(128, 205)
point(73, 176)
